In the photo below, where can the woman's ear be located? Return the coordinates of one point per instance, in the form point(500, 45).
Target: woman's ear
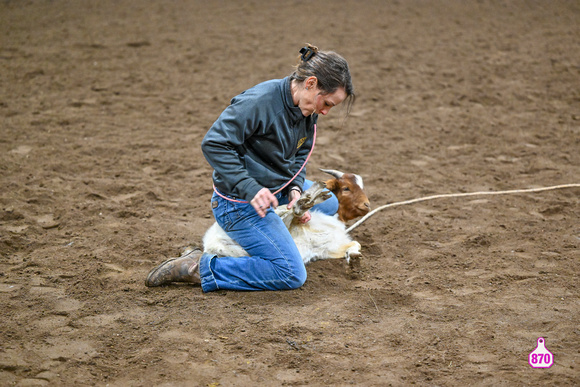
point(311, 82)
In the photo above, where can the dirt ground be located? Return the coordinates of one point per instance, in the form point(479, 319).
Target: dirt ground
point(103, 106)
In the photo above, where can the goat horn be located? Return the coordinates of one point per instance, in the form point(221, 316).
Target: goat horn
point(333, 172)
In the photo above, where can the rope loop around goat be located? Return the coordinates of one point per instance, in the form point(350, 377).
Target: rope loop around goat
point(457, 195)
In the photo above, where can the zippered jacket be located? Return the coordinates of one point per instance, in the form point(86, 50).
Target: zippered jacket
point(260, 140)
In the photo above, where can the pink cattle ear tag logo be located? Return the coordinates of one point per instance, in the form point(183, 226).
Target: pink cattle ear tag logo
point(541, 357)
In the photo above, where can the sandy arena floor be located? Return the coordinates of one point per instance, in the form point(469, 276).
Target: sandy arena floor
point(103, 105)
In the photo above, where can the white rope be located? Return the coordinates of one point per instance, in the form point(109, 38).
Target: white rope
point(457, 195)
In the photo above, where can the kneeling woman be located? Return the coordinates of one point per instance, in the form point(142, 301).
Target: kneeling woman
point(258, 148)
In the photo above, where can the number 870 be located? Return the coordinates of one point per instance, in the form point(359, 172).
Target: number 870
point(544, 357)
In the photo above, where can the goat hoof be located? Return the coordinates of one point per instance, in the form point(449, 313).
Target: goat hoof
point(353, 260)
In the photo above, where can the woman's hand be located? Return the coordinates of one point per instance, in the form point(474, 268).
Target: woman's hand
point(263, 200)
point(294, 196)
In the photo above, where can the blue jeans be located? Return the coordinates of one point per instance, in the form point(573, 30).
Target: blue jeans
point(274, 262)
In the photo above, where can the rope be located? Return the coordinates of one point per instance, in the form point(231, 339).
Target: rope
point(457, 195)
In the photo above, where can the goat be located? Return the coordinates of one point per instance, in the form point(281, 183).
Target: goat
point(348, 188)
point(323, 237)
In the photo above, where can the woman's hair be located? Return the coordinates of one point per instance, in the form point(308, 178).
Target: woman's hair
point(329, 68)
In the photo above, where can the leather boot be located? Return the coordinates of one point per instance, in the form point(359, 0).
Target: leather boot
point(181, 269)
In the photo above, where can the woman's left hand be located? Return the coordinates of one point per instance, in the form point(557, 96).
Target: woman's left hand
point(294, 196)
point(263, 200)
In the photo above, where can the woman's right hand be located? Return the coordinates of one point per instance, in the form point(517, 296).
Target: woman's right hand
point(263, 200)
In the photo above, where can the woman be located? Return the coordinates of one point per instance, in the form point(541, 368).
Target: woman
point(258, 148)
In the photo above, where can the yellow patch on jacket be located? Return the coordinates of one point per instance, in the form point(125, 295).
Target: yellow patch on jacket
point(301, 142)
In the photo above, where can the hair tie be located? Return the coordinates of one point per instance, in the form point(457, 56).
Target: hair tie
point(307, 53)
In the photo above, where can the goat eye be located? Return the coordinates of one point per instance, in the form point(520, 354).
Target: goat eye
point(346, 189)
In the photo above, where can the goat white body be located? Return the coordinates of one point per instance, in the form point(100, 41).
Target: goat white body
point(323, 237)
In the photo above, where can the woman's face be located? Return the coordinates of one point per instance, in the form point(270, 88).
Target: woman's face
point(313, 100)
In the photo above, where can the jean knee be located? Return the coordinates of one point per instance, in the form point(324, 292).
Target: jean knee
point(296, 280)
point(296, 274)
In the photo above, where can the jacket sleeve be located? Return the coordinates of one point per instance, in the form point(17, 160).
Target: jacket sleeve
point(222, 142)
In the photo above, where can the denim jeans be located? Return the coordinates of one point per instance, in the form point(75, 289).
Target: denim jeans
point(274, 262)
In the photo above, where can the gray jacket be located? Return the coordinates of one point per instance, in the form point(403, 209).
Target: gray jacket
point(260, 140)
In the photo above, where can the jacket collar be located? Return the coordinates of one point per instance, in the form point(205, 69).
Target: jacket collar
point(294, 111)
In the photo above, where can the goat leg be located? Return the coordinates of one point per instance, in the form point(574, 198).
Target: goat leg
point(316, 194)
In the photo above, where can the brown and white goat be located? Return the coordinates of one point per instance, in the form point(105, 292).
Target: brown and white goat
point(348, 188)
point(324, 236)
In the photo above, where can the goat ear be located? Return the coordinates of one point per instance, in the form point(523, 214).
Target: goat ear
point(332, 185)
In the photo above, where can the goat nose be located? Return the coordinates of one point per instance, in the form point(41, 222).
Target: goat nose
point(366, 207)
